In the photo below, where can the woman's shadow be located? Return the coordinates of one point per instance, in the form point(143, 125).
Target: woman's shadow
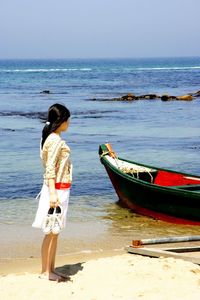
point(70, 270)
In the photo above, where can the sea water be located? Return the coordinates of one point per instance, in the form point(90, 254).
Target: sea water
point(164, 134)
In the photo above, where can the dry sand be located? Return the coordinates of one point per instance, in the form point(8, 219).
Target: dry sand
point(125, 276)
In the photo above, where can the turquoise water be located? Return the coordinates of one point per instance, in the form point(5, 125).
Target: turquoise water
point(164, 134)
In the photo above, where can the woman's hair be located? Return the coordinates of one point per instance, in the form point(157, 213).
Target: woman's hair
point(57, 114)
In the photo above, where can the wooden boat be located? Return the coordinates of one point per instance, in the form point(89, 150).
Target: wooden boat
point(159, 193)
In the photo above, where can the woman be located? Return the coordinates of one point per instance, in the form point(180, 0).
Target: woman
point(55, 154)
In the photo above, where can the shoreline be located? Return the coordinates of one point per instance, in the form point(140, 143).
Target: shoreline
point(33, 264)
point(109, 234)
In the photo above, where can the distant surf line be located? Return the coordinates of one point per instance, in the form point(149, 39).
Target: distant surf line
point(46, 70)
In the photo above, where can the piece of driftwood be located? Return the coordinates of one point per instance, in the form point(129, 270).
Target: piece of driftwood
point(174, 239)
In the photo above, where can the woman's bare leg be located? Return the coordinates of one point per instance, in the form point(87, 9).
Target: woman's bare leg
point(54, 248)
point(48, 253)
point(44, 252)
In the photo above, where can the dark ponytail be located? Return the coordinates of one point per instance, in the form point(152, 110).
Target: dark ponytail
point(57, 114)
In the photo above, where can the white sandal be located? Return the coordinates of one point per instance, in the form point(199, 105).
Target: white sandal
point(48, 222)
point(57, 225)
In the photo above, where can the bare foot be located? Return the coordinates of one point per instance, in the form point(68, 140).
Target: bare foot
point(44, 276)
point(62, 275)
point(55, 277)
point(52, 276)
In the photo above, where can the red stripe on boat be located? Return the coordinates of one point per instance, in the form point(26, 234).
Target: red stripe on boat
point(172, 179)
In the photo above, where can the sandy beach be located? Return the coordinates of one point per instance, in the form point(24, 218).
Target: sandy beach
point(103, 276)
point(91, 249)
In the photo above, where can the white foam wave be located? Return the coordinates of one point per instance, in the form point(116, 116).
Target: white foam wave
point(43, 70)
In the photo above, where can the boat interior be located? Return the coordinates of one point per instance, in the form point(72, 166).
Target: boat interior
point(156, 176)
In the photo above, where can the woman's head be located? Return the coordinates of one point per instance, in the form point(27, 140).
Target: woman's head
point(57, 115)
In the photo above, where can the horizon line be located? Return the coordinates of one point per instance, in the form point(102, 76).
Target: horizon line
point(95, 58)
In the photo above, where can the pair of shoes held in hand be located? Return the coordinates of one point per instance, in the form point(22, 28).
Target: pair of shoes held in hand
point(52, 222)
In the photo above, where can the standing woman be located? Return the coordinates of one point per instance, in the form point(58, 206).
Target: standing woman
point(55, 154)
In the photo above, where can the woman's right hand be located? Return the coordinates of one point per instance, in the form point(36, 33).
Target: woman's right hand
point(53, 200)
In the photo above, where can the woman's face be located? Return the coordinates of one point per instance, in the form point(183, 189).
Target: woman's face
point(64, 126)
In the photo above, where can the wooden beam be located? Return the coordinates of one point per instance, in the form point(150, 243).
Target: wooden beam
point(175, 239)
point(183, 249)
point(152, 252)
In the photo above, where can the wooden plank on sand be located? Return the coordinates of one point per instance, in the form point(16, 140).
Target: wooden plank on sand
point(155, 252)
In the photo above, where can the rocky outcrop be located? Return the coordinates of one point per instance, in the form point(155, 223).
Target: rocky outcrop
point(168, 98)
point(165, 97)
point(132, 97)
point(196, 94)
point(128, 97)
point(185, 98)
point(148, 96)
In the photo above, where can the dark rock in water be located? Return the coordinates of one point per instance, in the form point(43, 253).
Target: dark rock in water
point(131, 97)
point(149, 96)
point(7, 129)
point(196, 94)
point(45, 92)
point(113, 99)
point(128, 97)
point(185, 98)
point(168, 98)
point(165, 97)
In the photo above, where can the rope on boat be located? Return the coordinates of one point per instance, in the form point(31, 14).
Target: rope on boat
point(126, 169)
point(111, 153)
point(136, 172)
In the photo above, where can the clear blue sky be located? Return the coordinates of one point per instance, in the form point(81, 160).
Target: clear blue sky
point(99, 28)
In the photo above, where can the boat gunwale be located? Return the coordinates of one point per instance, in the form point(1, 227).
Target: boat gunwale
point(150, 185)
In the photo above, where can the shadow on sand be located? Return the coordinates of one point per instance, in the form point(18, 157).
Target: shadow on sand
point(69, 270)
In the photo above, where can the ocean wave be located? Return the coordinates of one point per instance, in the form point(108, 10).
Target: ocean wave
point(32, 115)
point(42, 115)
point(43, 70)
